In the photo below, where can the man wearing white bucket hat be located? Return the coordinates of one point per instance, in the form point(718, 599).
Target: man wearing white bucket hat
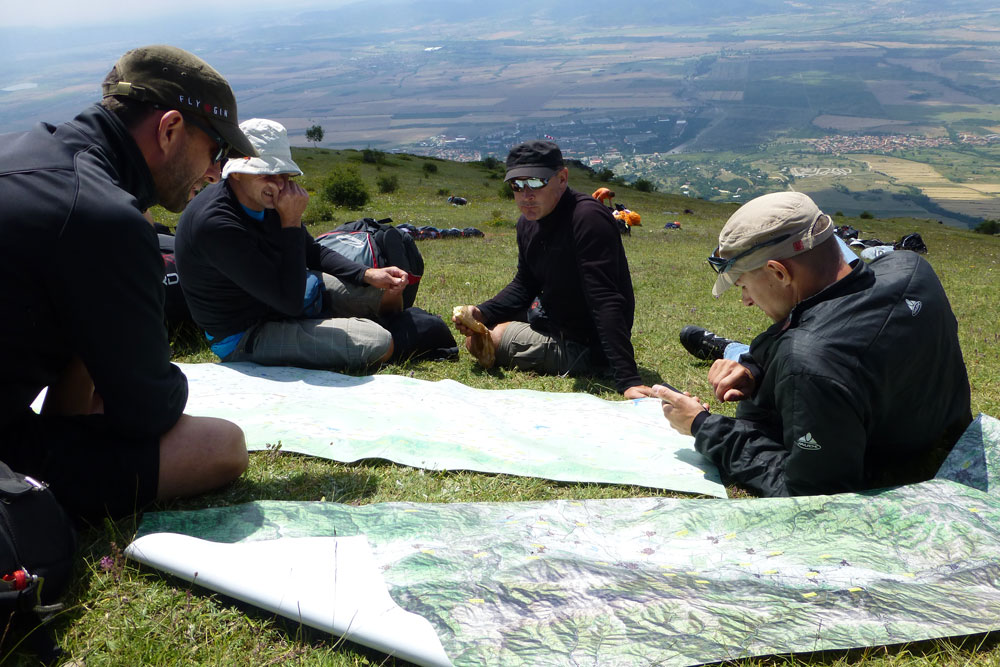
point(260, 286)
point(838, 394)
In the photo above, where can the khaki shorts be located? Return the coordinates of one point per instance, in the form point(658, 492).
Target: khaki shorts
point(524, 348)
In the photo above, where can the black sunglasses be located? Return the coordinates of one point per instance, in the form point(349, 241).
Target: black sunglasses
point(721, 264)
point(224, 146)
point(519, 184)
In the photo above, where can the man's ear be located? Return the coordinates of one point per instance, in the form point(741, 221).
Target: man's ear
point(780, 271)
point(170, 132)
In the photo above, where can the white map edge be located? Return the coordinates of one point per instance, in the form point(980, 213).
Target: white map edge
point(328, 583)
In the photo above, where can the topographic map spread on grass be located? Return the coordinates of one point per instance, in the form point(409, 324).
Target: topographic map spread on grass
point(446, 425)
point(653, 580)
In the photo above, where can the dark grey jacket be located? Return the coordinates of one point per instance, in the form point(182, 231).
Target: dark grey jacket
point(81, 273)
point(860, 380)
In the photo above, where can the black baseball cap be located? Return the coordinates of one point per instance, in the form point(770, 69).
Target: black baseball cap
point(176, 79)
point(533, 159)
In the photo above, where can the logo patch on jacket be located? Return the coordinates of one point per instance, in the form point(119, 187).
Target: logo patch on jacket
point(914, 306)
point(807, 442)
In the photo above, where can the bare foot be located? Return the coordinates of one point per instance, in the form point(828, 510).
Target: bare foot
point(480, 343)
point(481, 347)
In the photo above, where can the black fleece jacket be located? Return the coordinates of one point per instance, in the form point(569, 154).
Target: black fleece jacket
point(574, 262)
point(237, 271)
point(81, 273)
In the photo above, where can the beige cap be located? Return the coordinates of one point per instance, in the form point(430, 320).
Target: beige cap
point(270, 139)
point(774, 226)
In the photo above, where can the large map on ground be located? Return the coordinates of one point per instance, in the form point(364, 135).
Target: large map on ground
point(620, 582)
point(446, 425)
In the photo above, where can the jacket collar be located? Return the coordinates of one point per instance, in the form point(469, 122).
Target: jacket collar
point(127, 166)
point(565, 202)
point(861, 277)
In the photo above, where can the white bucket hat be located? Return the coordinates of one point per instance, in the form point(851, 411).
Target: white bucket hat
point(271, 141)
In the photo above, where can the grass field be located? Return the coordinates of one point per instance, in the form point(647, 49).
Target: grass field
point(121, 614)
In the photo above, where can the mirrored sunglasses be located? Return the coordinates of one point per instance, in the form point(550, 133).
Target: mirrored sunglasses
point(519, 184)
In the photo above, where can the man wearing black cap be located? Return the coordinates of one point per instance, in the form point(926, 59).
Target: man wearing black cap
point(111, 435)
point(836, 395)
point(571, 260)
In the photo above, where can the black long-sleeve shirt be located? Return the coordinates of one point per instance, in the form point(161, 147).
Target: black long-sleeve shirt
point(574, 262)
point(81, 273)
point(237, 271)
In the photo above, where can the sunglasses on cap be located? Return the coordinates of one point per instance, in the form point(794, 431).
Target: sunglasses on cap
point(721, 264)
point(519, 184)
point(224, 147)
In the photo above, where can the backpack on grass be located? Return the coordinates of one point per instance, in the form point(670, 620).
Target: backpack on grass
point(37, 545)
point(378, 244)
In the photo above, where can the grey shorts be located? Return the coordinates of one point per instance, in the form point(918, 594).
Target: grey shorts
point(524, 348)
point(343, 343)
point(349, 300)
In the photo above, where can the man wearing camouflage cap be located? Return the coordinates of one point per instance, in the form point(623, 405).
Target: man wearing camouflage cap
point(837, 395)
point(111, 435)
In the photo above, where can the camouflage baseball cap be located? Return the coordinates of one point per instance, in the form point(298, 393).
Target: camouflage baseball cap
point(175, 79)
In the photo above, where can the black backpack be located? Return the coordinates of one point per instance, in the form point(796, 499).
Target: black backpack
point(378, 244)
point(175, 308)
point(37, 545)
point(912, 242)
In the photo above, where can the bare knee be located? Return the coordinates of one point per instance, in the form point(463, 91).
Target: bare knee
point(200, 454)
point(496, 333)
point(388, 353)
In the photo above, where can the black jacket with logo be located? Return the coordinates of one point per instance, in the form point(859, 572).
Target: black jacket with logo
point(861, 379)
point(574, 262)
point(81, 273)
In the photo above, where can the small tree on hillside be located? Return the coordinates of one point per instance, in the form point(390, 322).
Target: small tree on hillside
point(314, 134)
point(644, 185)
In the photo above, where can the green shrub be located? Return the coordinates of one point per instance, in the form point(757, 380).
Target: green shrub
point(605, 175)
point(443, 192)
point(505, 192)
point(387, 184)
point(429, 168)
point(866, 215)
point(491, 162)
point(318, 210)
point(644, 185)
point(344, 187)
point(988, 227)
point(372, 156)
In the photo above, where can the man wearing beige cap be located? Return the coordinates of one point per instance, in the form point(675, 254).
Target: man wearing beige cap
point(111, 435)
point(859, 383)
point(260, 286)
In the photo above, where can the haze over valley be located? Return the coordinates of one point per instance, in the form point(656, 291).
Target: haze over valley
point(887, 108)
